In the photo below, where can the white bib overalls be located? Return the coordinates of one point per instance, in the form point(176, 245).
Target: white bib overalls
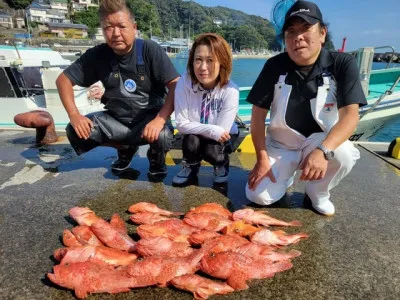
point(287, 148)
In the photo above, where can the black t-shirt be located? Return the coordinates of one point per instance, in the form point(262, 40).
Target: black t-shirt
point(305, 82)
point(94, 65)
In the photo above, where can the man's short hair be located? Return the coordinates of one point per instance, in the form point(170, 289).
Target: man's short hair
point(108, 7)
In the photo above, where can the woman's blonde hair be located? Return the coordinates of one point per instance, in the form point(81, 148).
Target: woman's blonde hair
point(220, 50)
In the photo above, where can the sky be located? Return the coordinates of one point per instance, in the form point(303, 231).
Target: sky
point(365, 23)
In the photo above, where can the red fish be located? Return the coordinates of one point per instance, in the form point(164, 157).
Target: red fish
point(276, 238)
point(84, 253)
point(83, 215)
point(266, 252)
point(198, 238)
point(223, 243)
point(256, 217)
point(161, 246)
point(69, 239)
point(118, 223)
point(92, 277)
point(174, 229)
point(237, 268)
point(201, 287)
point(150, 207)
point(213, 208)
point(112, 237)
point(161, 270)
point(206, 221)
point(147, 218)
point(240, 228)
point(86, 236)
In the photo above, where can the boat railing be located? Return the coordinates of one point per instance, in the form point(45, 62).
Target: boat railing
point(378, 101)
point(391, 56)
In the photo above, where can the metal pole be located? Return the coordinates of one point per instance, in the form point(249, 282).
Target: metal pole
point(27, 25)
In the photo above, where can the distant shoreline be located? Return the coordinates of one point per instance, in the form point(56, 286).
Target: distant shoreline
point(236, 56)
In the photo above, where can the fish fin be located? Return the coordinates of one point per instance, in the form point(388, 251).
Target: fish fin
point(238, 281)
point(118, 290)
point(294, 253)
point(295, 223)
point(81, 292)
point(177, 214)
point(279, 232)
point(200, 294)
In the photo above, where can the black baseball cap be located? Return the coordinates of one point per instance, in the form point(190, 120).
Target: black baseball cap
point(306, 10)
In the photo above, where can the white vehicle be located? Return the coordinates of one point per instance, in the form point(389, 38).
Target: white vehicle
point(27, 82)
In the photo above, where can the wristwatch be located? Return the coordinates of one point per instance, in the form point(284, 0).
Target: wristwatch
point(328, 154)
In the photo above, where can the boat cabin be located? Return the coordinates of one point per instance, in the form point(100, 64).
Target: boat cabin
point(21, 70)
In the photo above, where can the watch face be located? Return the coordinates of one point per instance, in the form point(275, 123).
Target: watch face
point(329, 155)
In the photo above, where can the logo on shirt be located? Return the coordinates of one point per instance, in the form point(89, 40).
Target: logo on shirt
point(130, 85)
point(328, 107)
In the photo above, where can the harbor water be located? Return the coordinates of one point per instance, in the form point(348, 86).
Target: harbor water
point(245, 72)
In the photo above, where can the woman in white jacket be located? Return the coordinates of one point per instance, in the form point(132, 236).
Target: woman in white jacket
point(206, 104)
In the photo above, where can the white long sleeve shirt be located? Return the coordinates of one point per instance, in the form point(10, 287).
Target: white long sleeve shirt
point(223, 104)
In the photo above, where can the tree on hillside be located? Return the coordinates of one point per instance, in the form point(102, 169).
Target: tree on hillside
point(248, 37)
point(146, 16)
point(18, 4)
point(88, 17)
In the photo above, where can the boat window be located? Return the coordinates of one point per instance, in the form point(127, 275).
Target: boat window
point(6, 89)
point(29, 80)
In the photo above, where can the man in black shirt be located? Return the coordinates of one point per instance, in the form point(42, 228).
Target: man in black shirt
point(314, 96)
point(135, 74)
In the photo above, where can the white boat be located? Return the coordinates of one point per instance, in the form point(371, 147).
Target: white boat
point(27, 82)
point(382, 90)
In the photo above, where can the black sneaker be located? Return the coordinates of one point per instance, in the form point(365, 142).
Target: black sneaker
point(221, 173)
point(124, 158)
point(188, 172)
point(157, 166)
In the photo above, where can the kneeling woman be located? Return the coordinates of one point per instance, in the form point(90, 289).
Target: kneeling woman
point(206, 104)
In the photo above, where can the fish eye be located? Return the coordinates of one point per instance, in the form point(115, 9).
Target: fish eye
point(237, 230)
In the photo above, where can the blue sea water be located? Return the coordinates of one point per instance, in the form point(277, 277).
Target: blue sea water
point(245, 72)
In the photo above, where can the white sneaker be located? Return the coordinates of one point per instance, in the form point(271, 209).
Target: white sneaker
point(186, 173)
point(221, 173)
point(324, 207)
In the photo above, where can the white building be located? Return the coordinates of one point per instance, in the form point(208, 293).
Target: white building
point(55, 16)
point(217, 22)
point(59, 5)
point(6, 20)
point(79, 5)
point(36, 12)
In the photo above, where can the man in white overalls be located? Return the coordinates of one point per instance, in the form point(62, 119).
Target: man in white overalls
point(313, 96)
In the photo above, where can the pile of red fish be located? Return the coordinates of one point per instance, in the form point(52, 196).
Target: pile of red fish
point(174, 249)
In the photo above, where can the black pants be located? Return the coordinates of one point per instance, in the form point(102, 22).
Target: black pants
point(196, 148)
point(108, 129)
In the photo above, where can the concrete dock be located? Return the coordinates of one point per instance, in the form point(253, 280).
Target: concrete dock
point(353, 255)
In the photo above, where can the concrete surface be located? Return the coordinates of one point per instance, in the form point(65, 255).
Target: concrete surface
point(352, 255)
